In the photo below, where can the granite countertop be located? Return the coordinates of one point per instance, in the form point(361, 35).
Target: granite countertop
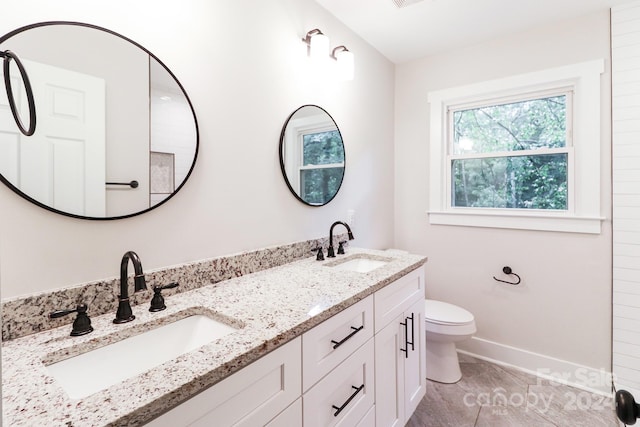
point(270, 307)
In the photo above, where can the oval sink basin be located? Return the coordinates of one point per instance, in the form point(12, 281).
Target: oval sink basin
point(360, 265)
point(96, 370)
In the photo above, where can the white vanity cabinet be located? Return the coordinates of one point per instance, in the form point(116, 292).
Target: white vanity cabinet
point(351, 370)
point(400, 372)
point(251, 397)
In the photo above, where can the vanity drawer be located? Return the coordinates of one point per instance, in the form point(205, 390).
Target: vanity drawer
point(350, 386)
point(393, 299)
point(332, 341)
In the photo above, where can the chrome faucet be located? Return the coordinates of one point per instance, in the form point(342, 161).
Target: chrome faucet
point(330, 252)
point(124, 313)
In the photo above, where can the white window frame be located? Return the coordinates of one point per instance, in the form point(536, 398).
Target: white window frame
point(584, 211)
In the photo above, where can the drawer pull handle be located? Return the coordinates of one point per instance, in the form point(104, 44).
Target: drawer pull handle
point(344, 405)
point(408, 343)
point(412, 334)
point(337, 344)
point(406, 338)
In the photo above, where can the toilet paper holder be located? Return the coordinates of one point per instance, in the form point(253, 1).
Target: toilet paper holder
point(509, 271)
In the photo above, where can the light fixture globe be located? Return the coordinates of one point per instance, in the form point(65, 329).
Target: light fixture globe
point(318, 44)
point(344, 61)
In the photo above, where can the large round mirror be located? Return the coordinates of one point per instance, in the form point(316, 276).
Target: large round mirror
point(312, 155)
point(116, 133)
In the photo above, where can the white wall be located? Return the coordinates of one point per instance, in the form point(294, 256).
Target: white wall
point(563, 307)
point(243, 66)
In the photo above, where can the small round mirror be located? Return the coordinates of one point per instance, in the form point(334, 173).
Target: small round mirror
point(312, 155)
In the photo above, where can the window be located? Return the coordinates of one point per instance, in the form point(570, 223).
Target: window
point(512, 154)
point(322, 165)
point(520, 152)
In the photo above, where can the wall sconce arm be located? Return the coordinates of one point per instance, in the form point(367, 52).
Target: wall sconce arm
point(337, 49)
point(311, 33)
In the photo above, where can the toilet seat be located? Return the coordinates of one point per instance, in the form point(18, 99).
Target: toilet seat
point(443, 313)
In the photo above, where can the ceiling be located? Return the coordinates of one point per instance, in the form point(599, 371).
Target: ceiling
point(425, 27)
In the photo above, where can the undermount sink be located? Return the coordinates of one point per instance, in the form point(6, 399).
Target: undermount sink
point(359, 264)
point(96, 370)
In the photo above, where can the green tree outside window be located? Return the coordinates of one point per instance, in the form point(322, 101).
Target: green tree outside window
point(322, 166)
point(494, 160)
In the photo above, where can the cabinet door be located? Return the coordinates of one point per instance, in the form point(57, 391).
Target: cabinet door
point(389, 374)
point(290, 417)
point(415, 361)
point(368, 420)
point(250, 397)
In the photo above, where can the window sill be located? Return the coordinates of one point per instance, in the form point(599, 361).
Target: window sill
point(518, 220)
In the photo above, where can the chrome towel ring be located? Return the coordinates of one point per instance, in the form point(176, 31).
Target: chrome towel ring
point(8, 56)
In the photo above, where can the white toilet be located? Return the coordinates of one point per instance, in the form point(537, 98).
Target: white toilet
point(445, 324)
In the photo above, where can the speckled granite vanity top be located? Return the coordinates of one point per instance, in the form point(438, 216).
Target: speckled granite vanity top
point(271, 307)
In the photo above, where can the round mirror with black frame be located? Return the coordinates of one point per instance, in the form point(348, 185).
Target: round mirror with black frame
point(312, 156)
point(117, 134)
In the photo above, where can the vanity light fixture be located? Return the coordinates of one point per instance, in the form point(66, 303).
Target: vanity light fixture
point(344, 61)
point(317, 44)
point(318, 50)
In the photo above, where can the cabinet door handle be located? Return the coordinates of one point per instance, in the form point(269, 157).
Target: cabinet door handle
point(412, 334)
point(337, 344)
point(344, 405)
point(406, 338)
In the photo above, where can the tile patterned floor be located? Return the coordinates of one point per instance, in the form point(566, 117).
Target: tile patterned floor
point(490, 395)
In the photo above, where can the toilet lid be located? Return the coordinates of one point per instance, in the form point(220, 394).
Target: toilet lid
point(446, 314)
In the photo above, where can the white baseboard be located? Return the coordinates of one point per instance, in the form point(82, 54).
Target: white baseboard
point(560, 371)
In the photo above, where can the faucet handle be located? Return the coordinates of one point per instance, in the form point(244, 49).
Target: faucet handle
point(341, 247)
point(320, 256)
point(82, 323)
point(169, 286)
point(157, 302)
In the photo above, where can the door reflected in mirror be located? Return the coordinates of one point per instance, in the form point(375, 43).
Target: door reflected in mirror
point(312, 156)
point(105, 106)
